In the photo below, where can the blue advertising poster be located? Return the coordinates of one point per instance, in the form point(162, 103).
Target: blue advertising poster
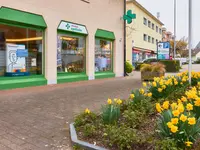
point(163, 50)
point(22, 53)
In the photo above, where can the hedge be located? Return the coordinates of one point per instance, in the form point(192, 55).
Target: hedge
point(170, 65)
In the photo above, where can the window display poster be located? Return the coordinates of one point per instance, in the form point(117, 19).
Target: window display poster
point(16, 58)
point(59, 59)
point(33, 62)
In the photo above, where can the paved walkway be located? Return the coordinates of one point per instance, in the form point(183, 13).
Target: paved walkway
point(37, 118)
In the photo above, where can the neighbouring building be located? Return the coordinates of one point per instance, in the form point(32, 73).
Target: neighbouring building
point(143, 33)
point(166, 35)
point(60, 41)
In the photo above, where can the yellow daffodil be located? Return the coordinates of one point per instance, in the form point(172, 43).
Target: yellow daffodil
point(189, 107)
point(176, 113)
point(197, 102)
point(154, 84)
point(149, 94)
point(188, 143)
point(192, 121)
point(164, 87)
point(87, 111)
point(174, 106)
point(183, 118)
point(166, 105)
point(132, 96)
point(160, 90)
point(115, 100)
point(109, 101)
point(184, 99)
point(158, 108)
point(169, 124)
point(180, 108)
point(179, 101)
point(141, 91)
point(174, 129)
point(161, 83)
point(175, 82)
point(119, 101)
point(174, 121)
point(144, 84)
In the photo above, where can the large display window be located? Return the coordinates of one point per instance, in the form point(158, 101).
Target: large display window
point(20, 51)
point(103, 55)
point(71, 53)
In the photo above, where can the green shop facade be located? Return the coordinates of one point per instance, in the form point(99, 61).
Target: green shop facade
point(23, 51)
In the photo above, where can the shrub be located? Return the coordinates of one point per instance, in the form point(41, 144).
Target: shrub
point(129, 67)
point(121, 137)
point(111, 111)
point(84, 118)
point(171, 65)
point(166, 144)
point(197, 61)
point(146, 68)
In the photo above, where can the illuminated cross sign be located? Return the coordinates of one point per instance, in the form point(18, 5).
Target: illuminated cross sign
point(129, 16)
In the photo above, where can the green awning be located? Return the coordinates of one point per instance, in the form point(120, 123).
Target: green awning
point(105, 34)
point(18, 17)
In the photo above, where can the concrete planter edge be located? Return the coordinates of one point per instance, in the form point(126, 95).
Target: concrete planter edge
point(82, 144)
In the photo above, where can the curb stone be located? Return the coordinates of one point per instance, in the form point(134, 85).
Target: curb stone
point(83, 144)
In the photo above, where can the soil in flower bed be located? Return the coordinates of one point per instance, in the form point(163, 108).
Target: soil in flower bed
point(144, 131)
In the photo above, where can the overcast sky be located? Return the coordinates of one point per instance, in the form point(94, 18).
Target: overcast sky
point(166, 9)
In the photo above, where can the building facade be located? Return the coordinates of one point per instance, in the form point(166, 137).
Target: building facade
point(167, 36)
point(142, 34)
point(63, 41)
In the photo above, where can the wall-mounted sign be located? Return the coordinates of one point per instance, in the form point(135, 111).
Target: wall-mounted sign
point(71, 27)
point(129, 16)
point(163, 50)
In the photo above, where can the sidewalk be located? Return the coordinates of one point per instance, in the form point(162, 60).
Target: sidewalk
point(35, 118)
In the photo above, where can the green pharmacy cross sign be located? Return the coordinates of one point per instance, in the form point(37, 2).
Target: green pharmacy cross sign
point(129, 16)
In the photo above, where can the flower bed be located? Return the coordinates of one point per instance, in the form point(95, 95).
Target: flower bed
point(162, 115)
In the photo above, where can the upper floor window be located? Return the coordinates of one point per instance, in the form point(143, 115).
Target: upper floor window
point(152, 40)
point(149, 39)
point(156, 28)
point(145, 21)
point(153, 26)
point(160, 31)
point(145, 37)
point(156, 41)
point(149, 24)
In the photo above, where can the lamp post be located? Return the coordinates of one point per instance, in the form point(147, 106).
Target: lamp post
point(174, 29)
point(190, 40)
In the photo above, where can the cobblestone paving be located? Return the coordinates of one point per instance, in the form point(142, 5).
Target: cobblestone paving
point(38, 118)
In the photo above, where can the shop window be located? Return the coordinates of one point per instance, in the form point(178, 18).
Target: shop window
point(103, 55)
point(20, 51)
point(71, 54)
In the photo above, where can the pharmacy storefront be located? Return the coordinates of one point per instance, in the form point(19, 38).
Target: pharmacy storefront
point(40, 46)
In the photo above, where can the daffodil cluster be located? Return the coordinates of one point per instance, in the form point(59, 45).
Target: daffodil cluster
point(178, 119)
